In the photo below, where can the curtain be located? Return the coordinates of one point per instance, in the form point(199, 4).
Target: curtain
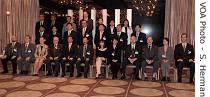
point(179, 18)
point(21, 21)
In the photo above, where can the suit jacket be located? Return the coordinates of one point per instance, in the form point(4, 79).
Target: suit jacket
point(38, 35)
point(74, 36)
point(111, 35)
point(55, 52)
point(105, 37)
point(89, 52)
point(72, 53)
point(102, 52)
point(179, 52)
point(88, 34)
point(12, 50)
point(122, 40)
point(141, 39)
point(57, 24)
point(129, 32)
point(27, 52)
point(41, 51)
point(148, 54)
point(168, 55)
point(64, 28)
point(90, 24)
point(38, 25)
point(51, 35)
point(114, 53)
point(137, 52)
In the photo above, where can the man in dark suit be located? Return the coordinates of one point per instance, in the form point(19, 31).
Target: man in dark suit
point(122, 41)
point(102, 34)
point(55, 22)
point(70, 32)
point(150, 57)
point(41, 33)
point(26, 55)
point(134, 56)
point(54, 57)
point(69, 56)
point(54, 33)
point(85, 31)
point(40, 23)
point(85, 55)
point(140, 36)
point(184, 55)
point(11, 54)
point(89, 21)
point(111, 29)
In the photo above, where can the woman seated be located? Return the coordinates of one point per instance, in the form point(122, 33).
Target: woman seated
point(40, 55)
point(165, 55)
point(101, 55)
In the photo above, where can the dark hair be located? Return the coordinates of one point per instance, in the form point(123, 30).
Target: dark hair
point(167, 39)
point(28, 36)
point(127, 21)
point(138, 25)
point(101, 19)
point(41, 27)
point(120, 25)
point(69, 24)
point(112, 20)
point(55, 27)
point(68, 16)
point(184, 34)
point(103, 42)
point(41, 37)
point(102, 25)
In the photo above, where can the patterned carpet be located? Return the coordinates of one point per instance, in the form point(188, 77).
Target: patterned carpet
point(32, 86)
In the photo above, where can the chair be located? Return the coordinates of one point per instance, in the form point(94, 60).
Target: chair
point(104, 65)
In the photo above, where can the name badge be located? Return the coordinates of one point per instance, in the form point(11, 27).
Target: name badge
point(136, 52)
point(189, 52)
point(88, 53)
point(29, 51)
point(15, 50)
point(121, 40)
point(163, 56)
point(112, 54)
point(104, 38)
point(141, 40)
point(87, 35)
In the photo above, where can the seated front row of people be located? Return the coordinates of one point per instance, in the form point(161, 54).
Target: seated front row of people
point(56, 56)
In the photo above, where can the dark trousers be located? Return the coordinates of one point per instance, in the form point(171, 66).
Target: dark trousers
point(136, 63)
point(14, 64)
point(182, 64)
point(155, 66)
point(71, 66)
point(115, 66)
point(53, 66)
point(86, 67)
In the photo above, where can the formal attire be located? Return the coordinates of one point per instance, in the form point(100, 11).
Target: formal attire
point(57, 24)
point(69, 56)
point(85, 32)
point(184, 51)
point(150, 52)
point(141, 38)
point(11, 52)
point(101, 57)
point(165, 54)
point(40, 54)
point(71, 33)
point(134, 51)
point(122, 39)
point(114, 59)
point(41, 23)
point(64, 28)
point(128, 31)
point(85, 55)
point(111, 30)
point(102, 35)
point(54, 34)
point(42, 34)
point(54, 57)
point(26, 51)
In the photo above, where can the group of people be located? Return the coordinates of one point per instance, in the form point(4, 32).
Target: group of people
point(58, 45)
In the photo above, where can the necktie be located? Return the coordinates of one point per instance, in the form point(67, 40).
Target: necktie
point(83, 32)
point(84, 50)
point(150, 47)
point(101, 33)
point(137, 35)
point(26, 46)
point(133, 51)
point(184, 46)
point(69, 47)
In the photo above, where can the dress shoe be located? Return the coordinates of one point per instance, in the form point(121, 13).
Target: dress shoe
point(168, 79)
point(153, 79)
point(79, 75)
point(85, 75)
point(146, 79)
point(63, 75)
point(163, 79)
point(122, 77)
point(49, 74)
point(4, 72)
point(71, 75)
